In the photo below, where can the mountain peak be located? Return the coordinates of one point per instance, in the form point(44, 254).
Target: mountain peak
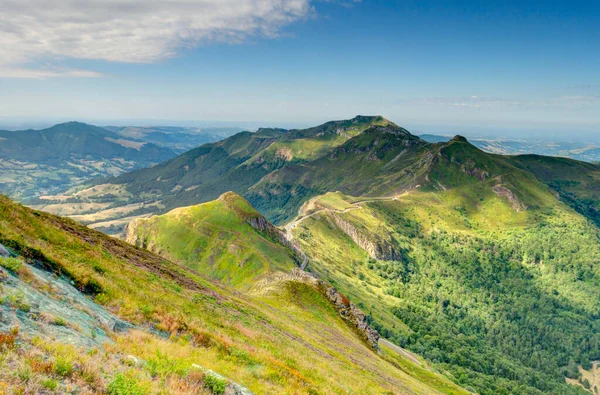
point(460, 138)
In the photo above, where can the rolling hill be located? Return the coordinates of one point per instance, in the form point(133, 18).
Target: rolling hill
point(85, 312)
point(38, 162)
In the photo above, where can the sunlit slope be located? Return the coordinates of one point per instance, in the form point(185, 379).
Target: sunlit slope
point(496, 281)
point(287, 340)
point(203, 174)
point(225, 239)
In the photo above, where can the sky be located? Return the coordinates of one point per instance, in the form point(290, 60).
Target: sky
point(432, 66)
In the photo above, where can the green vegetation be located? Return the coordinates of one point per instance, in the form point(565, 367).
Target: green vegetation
point(501, 298)
point(287, 340)
point(216, 385)
point(217, 240)
point(12, 264)
point(204, 173)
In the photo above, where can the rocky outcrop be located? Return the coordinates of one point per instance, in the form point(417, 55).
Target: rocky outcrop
point(380, 250)
point(4, 252)
point(348, 310)
point(515, 203)
point(354, 315)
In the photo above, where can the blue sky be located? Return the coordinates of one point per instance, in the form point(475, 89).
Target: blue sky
point(428, 65)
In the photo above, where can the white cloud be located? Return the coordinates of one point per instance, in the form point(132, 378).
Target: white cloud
point(17, 72)
point(130, 31)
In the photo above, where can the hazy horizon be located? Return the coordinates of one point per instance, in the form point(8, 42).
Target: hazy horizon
point(512, 66)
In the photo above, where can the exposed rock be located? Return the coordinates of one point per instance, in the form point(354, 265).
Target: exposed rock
point(35, 310)
point(352, 313)
point(285, 154)
point(348, 310)
point(512, 198)
point(4, 252)
point(380, 250)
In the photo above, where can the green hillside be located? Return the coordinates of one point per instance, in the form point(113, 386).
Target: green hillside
point(500, 288)
point(173, 331)
point(203, 174)
point(576, 183)
point(225, 239)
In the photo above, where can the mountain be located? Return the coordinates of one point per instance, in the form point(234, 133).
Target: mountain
point(38, 162)
point(88, 313)
point(588, 151)
point(204, 173)
point(178, 139)
point(483, 264)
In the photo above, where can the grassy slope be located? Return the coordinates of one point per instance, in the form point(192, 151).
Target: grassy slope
point(450, 297)
point(381, 160)
point(215, 239)
point(271, 344)
point(577, 183)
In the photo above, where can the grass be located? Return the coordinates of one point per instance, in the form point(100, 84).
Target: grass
point(270, 344)
point(215, 239)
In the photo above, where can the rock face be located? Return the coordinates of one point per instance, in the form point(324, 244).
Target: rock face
point(515, 203)
point(352, 313)
point(380, 250)
point(4, 252)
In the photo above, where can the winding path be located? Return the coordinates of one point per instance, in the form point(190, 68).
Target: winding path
point(288, 228)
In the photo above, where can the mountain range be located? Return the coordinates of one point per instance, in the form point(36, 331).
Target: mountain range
point(465, 271)
point(42, 162)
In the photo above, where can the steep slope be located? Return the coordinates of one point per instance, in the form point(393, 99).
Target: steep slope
point(494, 280)
point(177, 328)
point(38, 162)
point(225, 239)
point(576, 183)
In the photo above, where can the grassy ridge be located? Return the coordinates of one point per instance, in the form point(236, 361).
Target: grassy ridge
point(215, 239)
point(272, 343)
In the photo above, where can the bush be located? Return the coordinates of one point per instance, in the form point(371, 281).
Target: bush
point(50, 384)
point(123, 385)
point(63, 367)
point(215, 384)
point(11, 264)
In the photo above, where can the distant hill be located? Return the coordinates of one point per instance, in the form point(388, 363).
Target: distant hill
point(589, 152)
point(178, 139)
point(35, 163)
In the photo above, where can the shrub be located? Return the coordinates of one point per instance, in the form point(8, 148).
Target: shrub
point(50, 384)
point(215, 384)
point(123, 385)
point(24, 372)
point(11, 264)
point(7, 340)
point(63, 367)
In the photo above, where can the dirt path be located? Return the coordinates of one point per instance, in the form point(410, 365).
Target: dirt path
point(406, 354)
point(355, 206)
